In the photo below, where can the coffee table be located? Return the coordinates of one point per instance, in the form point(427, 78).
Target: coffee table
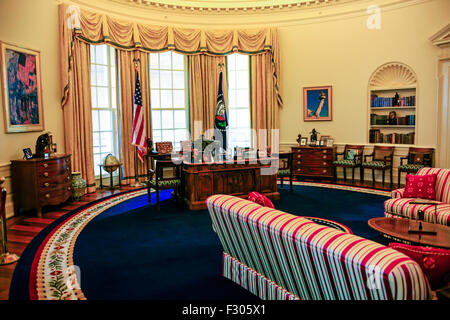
point(397, 229)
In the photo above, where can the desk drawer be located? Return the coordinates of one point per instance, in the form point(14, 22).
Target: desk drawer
point(313, 171)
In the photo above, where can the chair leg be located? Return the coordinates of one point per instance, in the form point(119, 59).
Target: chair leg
point(281, 178)
point(290, 178)
point(353, 175)
point(399, 175)
point(345, 173)
point(361, 174)
point(149, 194)
point(157, 199)
point(383, 176)
point(373, 177)
point(391, 178)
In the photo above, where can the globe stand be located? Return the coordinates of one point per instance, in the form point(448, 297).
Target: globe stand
point(8, 258)
point(111, 169)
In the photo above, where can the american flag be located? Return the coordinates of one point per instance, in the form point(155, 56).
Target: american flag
point(139, 139)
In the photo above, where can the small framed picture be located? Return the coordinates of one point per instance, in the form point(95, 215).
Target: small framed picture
point(330, 142)
point(304, 141)
point(28, 154)
point(322, 143)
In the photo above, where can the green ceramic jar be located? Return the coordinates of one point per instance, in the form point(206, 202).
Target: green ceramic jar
point(78, 186)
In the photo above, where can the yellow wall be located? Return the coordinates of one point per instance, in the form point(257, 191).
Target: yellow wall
point(325, 45)
point(32, 24)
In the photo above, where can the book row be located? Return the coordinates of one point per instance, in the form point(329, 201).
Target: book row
point(409, 101)
point(376, 136)
point(376, 119)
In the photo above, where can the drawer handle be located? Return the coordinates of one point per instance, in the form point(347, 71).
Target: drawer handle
point(45, 174)
point(45, 165)
point(324, 171)
point(324, 151)
point(68, 188)
point(324, 157)
point(299, 162)
point(68, 178)
point(46, 184)
point(47, 195)
point(324, 163)
point(299, 156)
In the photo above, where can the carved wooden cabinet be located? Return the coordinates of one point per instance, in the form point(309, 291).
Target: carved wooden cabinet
point(39, 182)
point(313, 161)
point(237, 178)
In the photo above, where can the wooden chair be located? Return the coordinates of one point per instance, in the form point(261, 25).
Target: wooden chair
point(352, 158)
point(285, 167)
point(382, 157)
point(159, 182)
point(417, 158)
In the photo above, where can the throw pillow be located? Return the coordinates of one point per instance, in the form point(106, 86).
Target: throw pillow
point(260, 199)
point(435, 263)
point(351, 153)
point(420, 186)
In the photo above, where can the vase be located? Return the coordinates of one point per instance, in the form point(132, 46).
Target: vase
point(78, 186)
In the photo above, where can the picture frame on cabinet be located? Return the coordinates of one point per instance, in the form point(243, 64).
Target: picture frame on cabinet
point(20, 70)
point(304, 141)
point(317, 103)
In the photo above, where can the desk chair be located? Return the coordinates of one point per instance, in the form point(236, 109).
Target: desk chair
point(417, 158)
point(285, 167)
point(382, 157)
point(159, 182)
point(352, 158)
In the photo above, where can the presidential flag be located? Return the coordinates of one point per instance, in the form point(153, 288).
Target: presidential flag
point(221, 120)
point(139, 138)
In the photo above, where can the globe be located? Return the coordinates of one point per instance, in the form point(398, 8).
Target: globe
point(111, 163)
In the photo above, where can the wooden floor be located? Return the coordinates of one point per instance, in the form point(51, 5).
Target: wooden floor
point(22, 229)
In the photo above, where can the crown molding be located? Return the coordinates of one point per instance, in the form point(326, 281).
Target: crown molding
point(316, 12)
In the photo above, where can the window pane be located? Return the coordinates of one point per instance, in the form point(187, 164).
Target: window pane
point(231, 62)
point(180, 135)
point(242, 99)
point(156, 119)
point(102, 76)
point(157, 136)
point(232, 79)
point(167, 119)
point(177, 61)
point(179, 99)
point(96, 139)
point(154, 79)
point(94, 97)
point(242, 79)
point(165, 60)
point(166, 99)
point(243, 118)
point(154, 60)
point(167, 135)
point(93, 74)
point(113, 76)
point(100, 54)
point(241, 62)
point(232, 98)
point(95, 126)
point(103, 97)
point(97, 161)
point(178, 79)
point(154, 99)
point(180, 119)
point(105, 120)
point(113, 98)
point(106, 142)
point(112, 56)
point(166, 79)
point(92, 52)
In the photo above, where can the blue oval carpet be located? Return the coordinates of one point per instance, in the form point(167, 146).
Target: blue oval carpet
point(123, 248)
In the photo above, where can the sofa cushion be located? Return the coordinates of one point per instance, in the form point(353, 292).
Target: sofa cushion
point(420, 186)
point(442, 182)
point(402, 207)
point(435, 263)
point(260, 199)
point(344, 163)
point(375, 164)
point(410, 167)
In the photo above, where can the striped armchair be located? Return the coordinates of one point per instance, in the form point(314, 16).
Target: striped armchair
point(279, 256)
point(401, 207)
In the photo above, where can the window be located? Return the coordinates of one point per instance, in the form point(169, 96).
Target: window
point(239, 124)
point(168, 98)
point(104, 103)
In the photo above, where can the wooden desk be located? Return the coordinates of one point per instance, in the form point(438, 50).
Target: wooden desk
point(397, 229)
point(233, 177)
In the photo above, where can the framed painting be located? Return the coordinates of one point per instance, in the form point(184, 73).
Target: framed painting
point(317, 104)
point(21, 88)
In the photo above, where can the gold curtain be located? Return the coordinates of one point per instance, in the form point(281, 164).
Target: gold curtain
point(78, 116)
point(203, 87)
point(264, 100)
point(127, 75)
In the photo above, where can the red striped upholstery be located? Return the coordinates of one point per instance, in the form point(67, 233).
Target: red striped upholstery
point(310, 261)
point(399, 206)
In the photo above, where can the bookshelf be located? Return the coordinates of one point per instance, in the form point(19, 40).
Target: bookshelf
point(392, 104)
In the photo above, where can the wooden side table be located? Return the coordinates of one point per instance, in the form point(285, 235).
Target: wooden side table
point(111, 185)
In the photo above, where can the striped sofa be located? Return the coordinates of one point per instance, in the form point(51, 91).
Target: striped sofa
point(279, 256)
point(398, 206)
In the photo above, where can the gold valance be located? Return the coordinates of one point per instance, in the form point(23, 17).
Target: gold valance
point(96, 28)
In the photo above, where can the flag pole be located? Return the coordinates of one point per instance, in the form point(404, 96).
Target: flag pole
point(136, 184)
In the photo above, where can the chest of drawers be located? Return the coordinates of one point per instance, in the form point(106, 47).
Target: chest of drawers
point(40, 182)
point(313, 161)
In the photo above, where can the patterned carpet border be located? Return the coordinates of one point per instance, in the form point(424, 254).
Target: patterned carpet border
point(53, 275)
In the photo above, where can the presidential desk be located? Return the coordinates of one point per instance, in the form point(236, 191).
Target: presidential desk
point(232, 177)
